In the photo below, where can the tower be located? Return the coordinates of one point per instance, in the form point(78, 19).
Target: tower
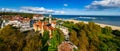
point(50, 21)
point(50, 18)
point(3, 24)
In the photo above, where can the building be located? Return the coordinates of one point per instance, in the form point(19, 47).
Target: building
point(50, 18)
point(38, 26)
point(15, 23)
point(0, 21)
point(18, 21)
point(65, 46)
point(25, 24)
point(41, 26)
point(17, 17)
point(32, 22)
point(3, 24)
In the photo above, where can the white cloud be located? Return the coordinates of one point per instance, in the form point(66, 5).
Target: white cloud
point(59, 12)
point(65, 5)
point(104, 4)
point(62, 12)
point(25, 11)
point(39, 10)
point(50, 11)
point(8, 10)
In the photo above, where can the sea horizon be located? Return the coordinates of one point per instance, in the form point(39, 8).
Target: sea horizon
point(103, 19)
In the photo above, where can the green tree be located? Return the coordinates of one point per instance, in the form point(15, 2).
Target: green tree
point(73, 37)
point(83, 41)
point(57, 38)
point(116, 32)
point(107, 30)
point(11, 39)
point(33, 43)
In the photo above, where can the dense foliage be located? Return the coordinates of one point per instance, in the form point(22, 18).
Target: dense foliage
point(11, 39)
point(92, 37)
point(56, 40)
point(0, 22)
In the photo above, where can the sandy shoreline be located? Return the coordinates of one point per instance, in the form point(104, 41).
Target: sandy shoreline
point(102, 25)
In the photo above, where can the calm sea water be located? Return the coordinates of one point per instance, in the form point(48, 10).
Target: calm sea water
point(111, 20)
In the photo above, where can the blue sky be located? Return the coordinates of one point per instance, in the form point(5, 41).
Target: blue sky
point(75, 7)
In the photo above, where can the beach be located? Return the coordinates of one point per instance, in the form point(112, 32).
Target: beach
point(102, 25)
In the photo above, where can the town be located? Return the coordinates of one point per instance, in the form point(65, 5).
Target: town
point(39, 23)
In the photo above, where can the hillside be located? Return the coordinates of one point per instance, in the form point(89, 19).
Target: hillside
point(92, 37)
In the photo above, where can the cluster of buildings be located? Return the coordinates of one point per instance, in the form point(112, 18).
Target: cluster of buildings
point(17, 21)
point(37, 23)
point(41, 26)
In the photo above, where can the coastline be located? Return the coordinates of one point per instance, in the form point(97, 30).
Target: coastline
point(102, 25)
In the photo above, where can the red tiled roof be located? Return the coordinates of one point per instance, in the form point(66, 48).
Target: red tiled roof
point(51, 28)
point(45, 27)
point(45, 23)
point(39, 24)
point(65, 47)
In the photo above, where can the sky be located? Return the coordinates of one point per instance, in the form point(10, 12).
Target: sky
point(67, 7)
